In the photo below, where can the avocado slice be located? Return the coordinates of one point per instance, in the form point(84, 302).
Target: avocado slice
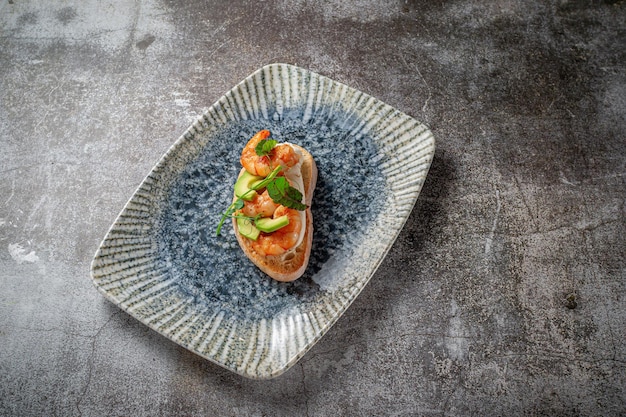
point(269, 225)
point(247, 229)
point(244, 184)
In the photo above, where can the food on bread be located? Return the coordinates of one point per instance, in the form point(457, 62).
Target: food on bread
point(271, 209)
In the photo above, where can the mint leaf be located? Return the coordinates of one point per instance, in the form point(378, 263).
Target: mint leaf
point(265, 146)
point(284, 194)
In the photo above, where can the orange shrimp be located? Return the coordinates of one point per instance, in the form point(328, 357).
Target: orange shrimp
point(282, 154)
point(283, 239)
point(261, 204)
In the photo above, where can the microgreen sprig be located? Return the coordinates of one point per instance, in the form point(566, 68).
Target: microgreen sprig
point(235, 205)
point(238, 203)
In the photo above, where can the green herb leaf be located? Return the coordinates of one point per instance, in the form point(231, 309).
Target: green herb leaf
point(284, 194)
point(265, 146)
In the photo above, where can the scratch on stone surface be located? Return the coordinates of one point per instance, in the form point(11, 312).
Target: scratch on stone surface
point(222, 27)
point(59, 38)
point(211, 53)
point(564, 180)
point(133, 26)
point(90, 361)
point(489, 240)
point(34, 211)
point(587, 226)
point(430, 94)
point(50, 330)
point(343, 348)
point(457, 347)
point(608, 323)
point(12, 191)
point(583, 226)
point(304, 390)
point(428, 89)
point(43, 118)
point(557, 98)
point(446, 404)
point(561, 356)
point(525, 201)
point(606, 177)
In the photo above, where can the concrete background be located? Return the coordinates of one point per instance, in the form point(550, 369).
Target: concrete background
point(505, 292)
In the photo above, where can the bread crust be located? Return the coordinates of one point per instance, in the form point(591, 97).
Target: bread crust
point(292, 264)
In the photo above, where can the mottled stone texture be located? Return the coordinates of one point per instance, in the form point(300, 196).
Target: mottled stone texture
point(504, 294)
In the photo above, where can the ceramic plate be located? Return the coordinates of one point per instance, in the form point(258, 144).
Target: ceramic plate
point(162, 263)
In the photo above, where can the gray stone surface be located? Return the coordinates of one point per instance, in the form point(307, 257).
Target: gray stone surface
point(504, 294)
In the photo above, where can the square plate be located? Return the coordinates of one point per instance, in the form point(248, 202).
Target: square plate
point(162, 263)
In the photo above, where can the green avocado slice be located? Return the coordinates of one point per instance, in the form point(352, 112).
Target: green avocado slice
point(243, 186)
point(247, 229)
point(269, 225)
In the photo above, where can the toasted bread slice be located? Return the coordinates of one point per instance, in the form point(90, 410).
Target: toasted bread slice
point(292, 264)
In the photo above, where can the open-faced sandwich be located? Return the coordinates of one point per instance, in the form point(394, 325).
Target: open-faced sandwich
point(271, 209)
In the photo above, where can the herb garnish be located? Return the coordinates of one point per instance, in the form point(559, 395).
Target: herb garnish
point(238, 203)
point(265, 146)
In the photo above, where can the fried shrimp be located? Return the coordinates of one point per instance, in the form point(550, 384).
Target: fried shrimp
point(283, 239)
point(261, 204)
point(282, 155)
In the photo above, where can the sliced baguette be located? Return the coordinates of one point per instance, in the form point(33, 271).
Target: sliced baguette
point(292, 264)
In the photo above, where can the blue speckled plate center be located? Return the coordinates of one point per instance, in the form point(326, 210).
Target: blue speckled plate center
point(213, 268)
